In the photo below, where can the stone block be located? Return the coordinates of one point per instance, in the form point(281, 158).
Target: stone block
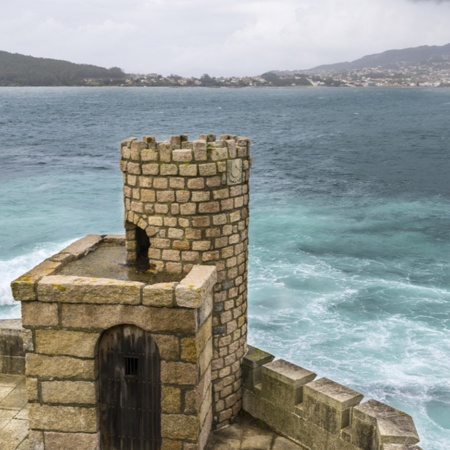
point(252, 363)
point(68, 392)
point(178, 373)
point(90, 317)
point(72, 289)
point(179, 426)
point(159, 295)
point(133, 168)
point(35, 440)
point(169, 169)
point(327, 404)
point(207, 170)
point(188, 170)
point(70, 441)
point(375, 421)
point(200, 153)
point(189, 349)
point(62, 367)
point(32, 389)
point(282, 383)
point(169, 346)
point(182, 155)
point(62, 418)
point(219, 153)
point(196, 287)
point(67, 343)
point(170, 399)
point(149, 155)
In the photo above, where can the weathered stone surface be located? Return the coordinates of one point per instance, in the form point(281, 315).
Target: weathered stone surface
point(90, 317)
point(72, 289)
point(189, 349)
point(168, 346)
point(12, 434)
point(393, 426)
point(159, 295)
point(39, 314)
point(332, 393)
point(62, 367)
point(62, 418)
point(68, 392)
point(179, 426)
point(36, 440)
point(196, 287)
point(32, 389)
point(170, 399)
point(70, 441)
point(24, 289)
point(282, 382)
point(83, 246)
point(327, 404)
point(252, 363)
point(69, 343)
point(178, 373)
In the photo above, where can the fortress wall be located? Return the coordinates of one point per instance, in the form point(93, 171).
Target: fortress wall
point(191, 199)
point(320, 414)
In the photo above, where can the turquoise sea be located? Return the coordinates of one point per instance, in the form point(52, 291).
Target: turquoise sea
point(350, 216)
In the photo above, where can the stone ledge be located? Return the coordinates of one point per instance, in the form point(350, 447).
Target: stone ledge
point(73, 289)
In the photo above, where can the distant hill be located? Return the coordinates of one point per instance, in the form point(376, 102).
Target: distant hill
point(21, 70)
point(389, 59)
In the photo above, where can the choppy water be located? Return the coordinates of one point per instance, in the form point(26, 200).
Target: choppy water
point(350, 218)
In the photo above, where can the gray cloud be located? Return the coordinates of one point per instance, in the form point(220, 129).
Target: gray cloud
point(236, 37)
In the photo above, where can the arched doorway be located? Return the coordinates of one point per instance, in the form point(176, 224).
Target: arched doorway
point(129, 390)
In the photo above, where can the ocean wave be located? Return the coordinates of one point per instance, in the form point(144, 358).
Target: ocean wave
point(12, 268)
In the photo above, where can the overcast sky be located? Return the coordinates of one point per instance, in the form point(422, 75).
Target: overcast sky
point(226, 37)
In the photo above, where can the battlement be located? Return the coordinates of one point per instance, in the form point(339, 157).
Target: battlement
point(180, 150)
point(320, 414)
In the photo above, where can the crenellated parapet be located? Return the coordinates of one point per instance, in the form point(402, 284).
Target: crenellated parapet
point(320, 413)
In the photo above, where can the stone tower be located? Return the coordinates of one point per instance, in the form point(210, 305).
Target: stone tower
point(186, 203)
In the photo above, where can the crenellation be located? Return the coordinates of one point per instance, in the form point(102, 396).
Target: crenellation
point(319, 413)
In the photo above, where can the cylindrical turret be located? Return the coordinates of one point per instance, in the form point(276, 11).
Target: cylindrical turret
point(186, 203)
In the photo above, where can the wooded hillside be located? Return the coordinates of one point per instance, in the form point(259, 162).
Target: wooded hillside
point(21, 70)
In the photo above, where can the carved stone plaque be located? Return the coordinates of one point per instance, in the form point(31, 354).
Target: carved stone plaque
point(234, 171)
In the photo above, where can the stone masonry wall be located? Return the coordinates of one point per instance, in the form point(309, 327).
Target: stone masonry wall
point(65, 316)
point(320, 414)
point(191, 198)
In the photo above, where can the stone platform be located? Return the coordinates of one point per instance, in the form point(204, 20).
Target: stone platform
point(245, 434)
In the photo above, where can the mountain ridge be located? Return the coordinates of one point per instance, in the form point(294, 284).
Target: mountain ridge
point(387, 60)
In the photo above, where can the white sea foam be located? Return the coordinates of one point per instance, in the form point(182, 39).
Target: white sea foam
point(13, 268)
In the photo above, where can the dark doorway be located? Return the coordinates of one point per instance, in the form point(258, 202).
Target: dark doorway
point(129, 390)
point(142, 246)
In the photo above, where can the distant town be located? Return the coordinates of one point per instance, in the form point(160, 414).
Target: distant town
point(429, 74)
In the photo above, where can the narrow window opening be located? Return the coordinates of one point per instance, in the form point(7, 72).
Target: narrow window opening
point(131, 366)
point(142, 246)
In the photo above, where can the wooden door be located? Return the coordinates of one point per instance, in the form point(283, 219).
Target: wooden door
point(129, 390)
